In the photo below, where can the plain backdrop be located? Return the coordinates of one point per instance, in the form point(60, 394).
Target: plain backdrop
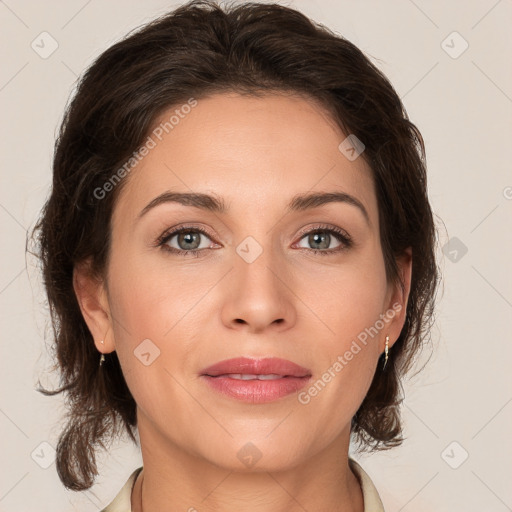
point(450, 63)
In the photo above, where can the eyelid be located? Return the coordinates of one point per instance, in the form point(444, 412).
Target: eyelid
point(323, 227)
point(176, 230)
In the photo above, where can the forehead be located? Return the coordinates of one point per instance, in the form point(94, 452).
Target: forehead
point(254, 151)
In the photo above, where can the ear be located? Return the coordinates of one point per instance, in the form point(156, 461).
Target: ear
point(397, 298)
point(92, 298)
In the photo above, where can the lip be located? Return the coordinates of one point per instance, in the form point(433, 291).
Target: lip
point(265, 366)
point(294, 377)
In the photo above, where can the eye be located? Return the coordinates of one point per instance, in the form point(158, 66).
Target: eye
point(187, 240)
point(184, 240)
point(319, 240)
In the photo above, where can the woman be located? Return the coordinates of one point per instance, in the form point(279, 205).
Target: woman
point(239, 255)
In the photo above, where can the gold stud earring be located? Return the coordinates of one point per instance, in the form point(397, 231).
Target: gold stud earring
point(386, 350)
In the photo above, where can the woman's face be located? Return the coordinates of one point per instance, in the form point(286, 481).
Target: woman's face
point(251, 285)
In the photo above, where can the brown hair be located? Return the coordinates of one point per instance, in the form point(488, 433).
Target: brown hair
point(199, 49)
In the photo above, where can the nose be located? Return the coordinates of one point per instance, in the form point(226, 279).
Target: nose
point(258, 296)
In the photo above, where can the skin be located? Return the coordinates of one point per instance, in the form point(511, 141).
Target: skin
point(256, 153)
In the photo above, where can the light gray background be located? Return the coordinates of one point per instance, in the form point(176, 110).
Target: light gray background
point(463, 107)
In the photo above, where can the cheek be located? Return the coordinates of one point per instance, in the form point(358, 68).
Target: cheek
point(150, 301)
point(348, 298)
point(153, 318)
point(345, 359)
point(349, 302)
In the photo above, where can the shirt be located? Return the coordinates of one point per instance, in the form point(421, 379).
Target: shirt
point(371, 498)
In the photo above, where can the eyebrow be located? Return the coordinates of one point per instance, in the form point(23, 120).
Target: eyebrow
point(213, 203)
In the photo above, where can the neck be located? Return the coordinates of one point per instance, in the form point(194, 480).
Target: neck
point(173, 479)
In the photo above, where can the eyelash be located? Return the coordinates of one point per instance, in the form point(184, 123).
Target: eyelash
point(340, 235)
